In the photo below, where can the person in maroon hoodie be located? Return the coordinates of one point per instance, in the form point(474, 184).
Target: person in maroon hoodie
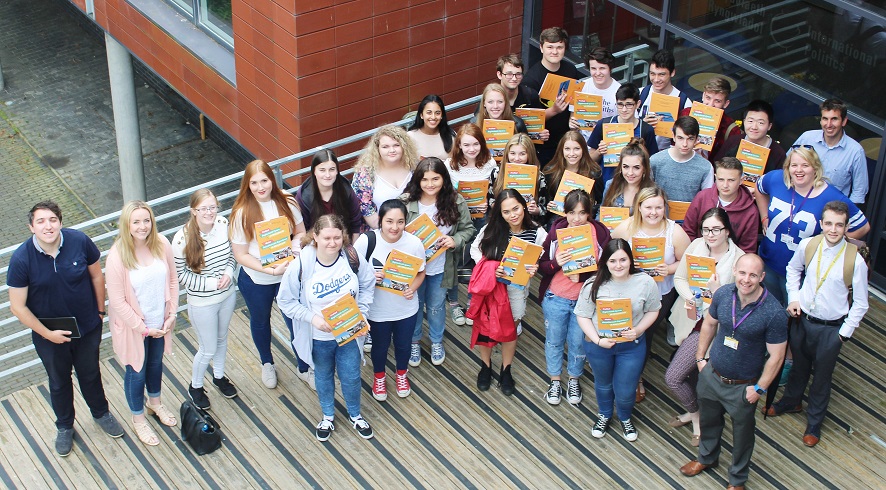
point(729, 194)
point(558, 294)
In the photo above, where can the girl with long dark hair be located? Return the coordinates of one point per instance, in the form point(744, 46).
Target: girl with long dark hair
point(572, 154)
point(327, 191)
point(430, 130)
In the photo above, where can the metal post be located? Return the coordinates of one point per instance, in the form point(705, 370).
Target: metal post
point(129, 146)
point(2, 85)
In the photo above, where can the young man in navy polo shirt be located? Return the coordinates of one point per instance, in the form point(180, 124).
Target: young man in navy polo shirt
point(56, 273)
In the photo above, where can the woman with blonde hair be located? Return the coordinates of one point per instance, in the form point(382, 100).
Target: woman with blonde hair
point(650, 221)
point(383, 170)
point(521, 150)
point(205, 265)
point(142, 305)
point(494, 105)
point(261, 199)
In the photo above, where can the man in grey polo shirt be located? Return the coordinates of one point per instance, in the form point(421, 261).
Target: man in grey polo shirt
point(743, 323)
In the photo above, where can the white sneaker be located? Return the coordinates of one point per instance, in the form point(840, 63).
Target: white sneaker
point(307, 377)
point(520, 328)
point(269, 375)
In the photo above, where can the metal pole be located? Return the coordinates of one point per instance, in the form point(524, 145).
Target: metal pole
point(2, 85)
point(129, 147)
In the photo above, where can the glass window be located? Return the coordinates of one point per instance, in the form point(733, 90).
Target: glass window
point(185, 6)
point(215, 16)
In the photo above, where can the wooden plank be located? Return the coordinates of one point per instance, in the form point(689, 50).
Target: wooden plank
point(40, 456)
point(22, 470)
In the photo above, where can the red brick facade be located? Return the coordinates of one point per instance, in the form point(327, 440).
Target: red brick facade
point(312, 71)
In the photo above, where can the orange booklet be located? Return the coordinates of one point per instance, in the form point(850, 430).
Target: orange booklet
point(581, 242)
point(667, 107)
point(345, 319)
point(613, 317)
point(570, 180)
point(522, 178)
point(535, 122)
point(677, 210)
point(554, 85)
point(497, 134)
point(708, 122)
point(518, 255)
point(648, 253)
point(274, 241)
point(400, 271)
point(426, 230)
point(753, 160)
point(698, 272)
point(611, 217)
point(474, 193)
point(588, 110)
point(616, 136)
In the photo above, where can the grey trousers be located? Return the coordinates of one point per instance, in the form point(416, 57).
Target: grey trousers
point(814, 346)
point(715, 399)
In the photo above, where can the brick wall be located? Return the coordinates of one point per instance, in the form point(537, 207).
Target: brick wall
point(312, 71)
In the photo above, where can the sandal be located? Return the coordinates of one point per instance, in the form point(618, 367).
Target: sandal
point(145, 433)
point(166, 417)
point(641, 392)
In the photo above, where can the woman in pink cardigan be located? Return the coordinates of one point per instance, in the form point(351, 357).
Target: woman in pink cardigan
point(143, 299)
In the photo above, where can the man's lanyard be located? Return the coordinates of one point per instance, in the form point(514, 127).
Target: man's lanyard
point(735, 323)
point(793, 193)
point(819, 279)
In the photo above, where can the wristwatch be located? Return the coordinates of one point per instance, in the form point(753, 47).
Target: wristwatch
point(759, 389)
point(103, 313)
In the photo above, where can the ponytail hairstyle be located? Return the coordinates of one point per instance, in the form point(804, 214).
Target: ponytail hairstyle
point(447, 209)
point(443, 128)
point(635, 148)
point(323, 222)
point(195, 245)
point(577, 197)
point(603, 274)
point(519, 139)
point(642, 196)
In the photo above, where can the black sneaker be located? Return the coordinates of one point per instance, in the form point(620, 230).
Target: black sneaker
point(198, 396)
point(555, 391)
point(362, 427)
point(484, 378)
point(324, 430)
point(64, 442)
point(600, 427)
point(573, 391)
point(506, 381)
point(628, 430)
point(228, 390)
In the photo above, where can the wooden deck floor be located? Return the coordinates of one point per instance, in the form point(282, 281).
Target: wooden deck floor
point(446, 434)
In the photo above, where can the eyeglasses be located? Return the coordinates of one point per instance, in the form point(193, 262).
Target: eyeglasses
point(625, 105)
point(515, 76)
point(808, 147)
point(206, 209)
point(712, 231)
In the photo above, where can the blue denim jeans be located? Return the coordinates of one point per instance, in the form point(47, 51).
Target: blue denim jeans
point(382, 332)
point(259, 299)
point(150, 376)
point(330, 357)
point(616, 374)
point(432, 296)
point(561, 329)
point(776, 283)
point(452, 293)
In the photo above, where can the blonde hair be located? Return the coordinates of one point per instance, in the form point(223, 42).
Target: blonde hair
point(195, 245)
point(124, 242)
point(323, 222)
point(507, 115)
point(642, 196)
point(519, 139)
point(811, 157)
point(370, 159)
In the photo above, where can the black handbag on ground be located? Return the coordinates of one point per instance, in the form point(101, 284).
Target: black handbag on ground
point(199, 429)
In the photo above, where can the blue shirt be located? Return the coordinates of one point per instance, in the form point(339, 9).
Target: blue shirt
point(845, 164)
point(783, 235)
point(59, 286)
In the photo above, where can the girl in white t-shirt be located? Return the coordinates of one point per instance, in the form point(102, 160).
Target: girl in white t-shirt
point(383, 170)
point(392, 314)
point(430, 192)
point(327, 269)
point(260, 199)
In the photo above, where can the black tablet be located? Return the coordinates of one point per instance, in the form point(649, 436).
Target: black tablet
point(68, 323)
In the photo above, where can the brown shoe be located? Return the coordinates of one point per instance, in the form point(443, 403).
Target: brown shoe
point(693, 467)
point(641, 392)
point(772, 411)
point(810, 440)
point(735, 487)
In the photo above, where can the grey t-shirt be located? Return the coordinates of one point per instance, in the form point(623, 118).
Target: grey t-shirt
point(767, 324)
point(681, 180)
point(640, 288)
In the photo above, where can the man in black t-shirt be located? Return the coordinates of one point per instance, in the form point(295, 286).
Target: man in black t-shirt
point(509, 71)
point(553, 42)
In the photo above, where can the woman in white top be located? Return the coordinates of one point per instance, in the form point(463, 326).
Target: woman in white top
point(205, 265)
point(326, 270)
point(260, 199)
point(430, 131)
point(650, 221)
point(383, 170)
point(715, 241)
point(142, 306)
point(392, 315)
